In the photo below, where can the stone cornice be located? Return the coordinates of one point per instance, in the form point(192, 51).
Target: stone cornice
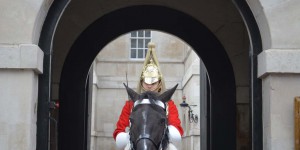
point(23, 56)
point(278, 61)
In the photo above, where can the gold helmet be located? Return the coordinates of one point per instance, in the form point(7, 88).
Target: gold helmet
point(151, 71)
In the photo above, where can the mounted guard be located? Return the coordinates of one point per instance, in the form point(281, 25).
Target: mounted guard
point(151, 79)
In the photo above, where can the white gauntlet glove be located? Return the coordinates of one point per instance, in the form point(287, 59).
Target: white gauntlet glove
point(174, 134)
point(122, 140)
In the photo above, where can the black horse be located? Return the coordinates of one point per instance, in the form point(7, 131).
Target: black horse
point(148, 119)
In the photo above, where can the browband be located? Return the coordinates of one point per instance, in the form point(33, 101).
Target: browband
point(147, 101)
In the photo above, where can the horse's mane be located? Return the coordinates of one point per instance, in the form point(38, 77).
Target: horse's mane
point(165, 141)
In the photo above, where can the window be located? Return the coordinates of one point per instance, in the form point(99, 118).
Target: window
point(139, 43)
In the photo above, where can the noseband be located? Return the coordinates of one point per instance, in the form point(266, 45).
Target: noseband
point(158, 146)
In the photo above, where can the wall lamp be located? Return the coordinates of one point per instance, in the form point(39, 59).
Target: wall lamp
point(192, 117)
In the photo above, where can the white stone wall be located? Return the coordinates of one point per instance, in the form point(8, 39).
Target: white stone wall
point(21, 61)
point(18, 108)
point(191, 87)
point(22, 20)
point(277, 22)
point(19, 69)
point(279, 91)
point(279, 71)
point(278, 67)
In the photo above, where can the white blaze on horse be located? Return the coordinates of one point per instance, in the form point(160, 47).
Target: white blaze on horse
point(148, 121)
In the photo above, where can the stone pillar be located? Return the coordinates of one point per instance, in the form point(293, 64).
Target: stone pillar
point(191, 87)
point(93, 142)
point(19, 69)
point(280, 74)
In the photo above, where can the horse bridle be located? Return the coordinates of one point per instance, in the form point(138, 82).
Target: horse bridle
point(147, 137)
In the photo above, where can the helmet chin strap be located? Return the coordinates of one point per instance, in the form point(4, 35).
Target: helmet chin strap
point(158, 89)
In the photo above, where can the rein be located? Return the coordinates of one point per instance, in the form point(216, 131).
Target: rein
point(147, 137)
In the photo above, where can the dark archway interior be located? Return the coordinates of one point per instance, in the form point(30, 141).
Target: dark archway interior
point(73, 100)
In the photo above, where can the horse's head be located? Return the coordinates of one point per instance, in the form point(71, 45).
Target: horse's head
point(148, 130)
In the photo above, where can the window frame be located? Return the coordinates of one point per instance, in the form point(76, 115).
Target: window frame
point(137, 37)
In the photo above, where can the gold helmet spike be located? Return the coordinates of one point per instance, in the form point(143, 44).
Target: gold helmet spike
point(151, 71)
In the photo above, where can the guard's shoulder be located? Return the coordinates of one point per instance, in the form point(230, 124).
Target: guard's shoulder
point(129, 102)
point(170, 102)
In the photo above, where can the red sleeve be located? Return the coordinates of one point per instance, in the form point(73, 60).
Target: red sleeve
point(123, 121)
point(173, 117)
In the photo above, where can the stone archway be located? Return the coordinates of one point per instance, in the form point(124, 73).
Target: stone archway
point(187, 34)
point(44, 94)
point(73, 120)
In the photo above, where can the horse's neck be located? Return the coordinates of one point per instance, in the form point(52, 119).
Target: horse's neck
point(170, 147)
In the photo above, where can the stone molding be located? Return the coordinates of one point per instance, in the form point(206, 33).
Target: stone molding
point(23, 56)
point(190, 72)
point(278, 61)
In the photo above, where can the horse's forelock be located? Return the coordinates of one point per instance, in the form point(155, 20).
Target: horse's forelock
point(152, 96)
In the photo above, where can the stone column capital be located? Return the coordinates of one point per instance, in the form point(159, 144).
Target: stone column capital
point(283, 61)
point(22, 56)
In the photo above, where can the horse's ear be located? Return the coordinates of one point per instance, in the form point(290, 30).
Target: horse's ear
point(166, 96)
point(132, 94)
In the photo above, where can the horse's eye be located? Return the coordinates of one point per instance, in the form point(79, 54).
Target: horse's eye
point(162, 120)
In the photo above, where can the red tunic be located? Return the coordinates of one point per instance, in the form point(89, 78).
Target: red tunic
point(123, 121)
